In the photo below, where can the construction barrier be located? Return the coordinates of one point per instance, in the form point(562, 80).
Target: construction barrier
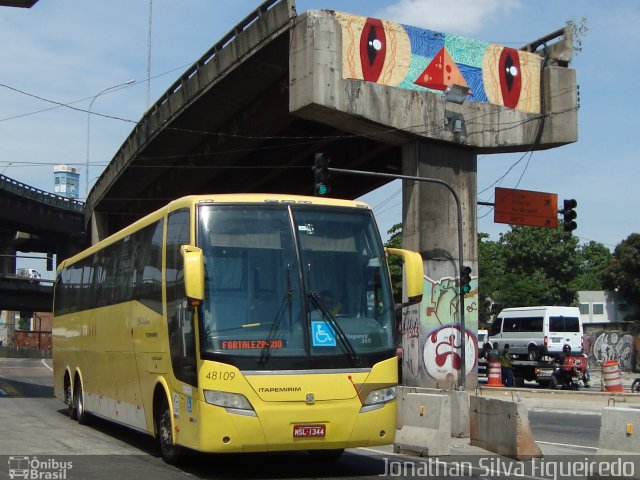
point(619, 440)
point(495, 373)
point(611, 376)
point(458, 400)
point(426, 428)
point(502, 427)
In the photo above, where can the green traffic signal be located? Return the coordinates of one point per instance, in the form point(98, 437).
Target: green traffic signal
point(465, 279)
point(322, 189)
point(321, 174)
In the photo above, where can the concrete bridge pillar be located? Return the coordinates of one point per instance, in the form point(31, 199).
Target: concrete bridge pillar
point(7, 266)
point(431, 334)
point(7, 254)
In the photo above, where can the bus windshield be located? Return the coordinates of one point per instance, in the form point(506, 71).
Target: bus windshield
point(291, 286)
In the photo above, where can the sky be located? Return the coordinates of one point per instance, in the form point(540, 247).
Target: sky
point(66, 52)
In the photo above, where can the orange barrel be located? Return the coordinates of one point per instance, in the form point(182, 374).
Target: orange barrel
point(495, 373)
point(611, 376)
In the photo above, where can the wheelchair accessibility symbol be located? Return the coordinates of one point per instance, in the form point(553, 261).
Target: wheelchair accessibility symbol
point(322, 335)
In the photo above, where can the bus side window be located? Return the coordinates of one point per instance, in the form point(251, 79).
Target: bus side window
point(179, 317)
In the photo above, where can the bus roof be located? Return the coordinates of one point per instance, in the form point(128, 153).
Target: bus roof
point(190, 200)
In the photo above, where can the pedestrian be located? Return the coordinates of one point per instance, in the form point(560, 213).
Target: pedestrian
point(505, 362)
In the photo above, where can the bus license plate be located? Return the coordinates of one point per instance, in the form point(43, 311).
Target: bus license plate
point(301, 431)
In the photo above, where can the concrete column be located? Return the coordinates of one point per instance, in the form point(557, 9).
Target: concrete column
point(431, 334)
point(8, 267)
point(7, 254)
point(98, 227)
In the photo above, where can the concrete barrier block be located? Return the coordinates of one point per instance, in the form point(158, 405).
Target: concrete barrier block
point(619, 431)
point(459, 402)
point(502, 427)
point(427, 425)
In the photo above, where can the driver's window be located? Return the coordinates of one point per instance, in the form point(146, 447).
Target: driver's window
point(179, 314)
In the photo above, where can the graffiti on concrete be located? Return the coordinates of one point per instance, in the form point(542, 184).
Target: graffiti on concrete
point(442, 353)
point(602, 346)
point(432, 336)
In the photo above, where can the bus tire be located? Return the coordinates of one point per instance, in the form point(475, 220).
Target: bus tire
point(533, 354)
point(68, 396)
point(79, 413)
point(171, 452)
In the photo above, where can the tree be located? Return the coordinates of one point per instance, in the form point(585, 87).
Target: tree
point(593, 258)
point(490, 269)
point(539, 266)
point(395, 262)
point(623, 272)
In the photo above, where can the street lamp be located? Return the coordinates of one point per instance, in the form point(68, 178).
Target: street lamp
point(128, 82)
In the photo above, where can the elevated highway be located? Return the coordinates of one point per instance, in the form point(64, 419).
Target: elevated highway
point(33, 220)
point(250, 113)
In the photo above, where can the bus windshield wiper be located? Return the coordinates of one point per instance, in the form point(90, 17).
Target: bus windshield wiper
point(275, 325)
point(327, 317)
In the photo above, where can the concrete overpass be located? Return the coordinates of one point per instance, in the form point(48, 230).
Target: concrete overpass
point(33, 220)
point(250, 113)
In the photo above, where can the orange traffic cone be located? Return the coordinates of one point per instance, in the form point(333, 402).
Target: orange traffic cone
point(611, 376)
point(495, 373)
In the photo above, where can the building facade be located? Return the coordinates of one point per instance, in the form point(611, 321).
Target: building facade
point(605, 307)
point(66, 181)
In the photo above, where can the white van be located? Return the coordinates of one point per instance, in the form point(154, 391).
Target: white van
point(31, 273)
point(535, 332)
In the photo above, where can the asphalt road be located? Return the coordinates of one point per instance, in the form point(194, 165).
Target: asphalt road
point(34, 425)
point(565, 428)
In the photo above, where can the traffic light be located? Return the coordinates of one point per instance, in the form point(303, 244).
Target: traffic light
point(321, 174)
point(49, 262)
point(569, 215)
point(465, 279)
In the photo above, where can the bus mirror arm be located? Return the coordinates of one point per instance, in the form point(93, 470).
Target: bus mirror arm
point(412, 301)
point(193, 273)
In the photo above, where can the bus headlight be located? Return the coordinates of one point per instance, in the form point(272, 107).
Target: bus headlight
point(377, 398)
point(233, 402)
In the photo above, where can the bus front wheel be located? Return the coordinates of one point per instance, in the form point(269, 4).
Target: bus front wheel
point(170, 451)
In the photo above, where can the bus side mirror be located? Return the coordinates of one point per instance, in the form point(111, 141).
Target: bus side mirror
point(413, 273)
point(193, 273)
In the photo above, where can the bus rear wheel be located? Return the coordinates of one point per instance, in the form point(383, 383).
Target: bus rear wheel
point(171, 452)
point(78, 412)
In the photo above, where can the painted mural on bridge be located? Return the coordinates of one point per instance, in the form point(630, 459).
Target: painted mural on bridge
point(418, 59)
point(432, 339)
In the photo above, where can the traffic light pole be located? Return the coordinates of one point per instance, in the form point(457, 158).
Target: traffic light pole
point(463, 331)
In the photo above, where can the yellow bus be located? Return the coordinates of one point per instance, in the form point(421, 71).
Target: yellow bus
point(209, 324)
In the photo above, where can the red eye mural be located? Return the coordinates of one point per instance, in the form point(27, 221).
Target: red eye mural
point(510, 77)
point(373, 49)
